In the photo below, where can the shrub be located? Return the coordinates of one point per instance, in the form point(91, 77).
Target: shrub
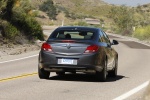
point(122, 17)
point(142, 33)
point(81, 23)
point(26, 23)
point(19, 16)
point(49, 8)
point(33, 28)
point(10, 31)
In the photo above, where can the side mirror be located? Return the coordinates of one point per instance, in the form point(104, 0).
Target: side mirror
point(115, 42)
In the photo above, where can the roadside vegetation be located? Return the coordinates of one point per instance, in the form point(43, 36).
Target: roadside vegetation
point(17, 22)
point(49, 8)
point(124, 20)
point(142, 33)
point(20, 18)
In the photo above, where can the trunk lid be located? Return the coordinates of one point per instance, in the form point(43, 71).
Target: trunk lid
point(69, 47)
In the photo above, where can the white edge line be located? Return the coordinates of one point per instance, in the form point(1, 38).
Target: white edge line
point(19, 59)
point(133, 91)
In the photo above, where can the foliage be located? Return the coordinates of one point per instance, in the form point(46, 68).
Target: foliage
point(142, 33)
point(8, 30)
point(122, 16)
point(49, 8)
point(81, 23)
point(2, 4)
point(26, 23)
point(33, 28)
point(144, 11)
point(19, 17)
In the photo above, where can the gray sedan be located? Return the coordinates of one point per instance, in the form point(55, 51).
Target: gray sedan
point(78, 49)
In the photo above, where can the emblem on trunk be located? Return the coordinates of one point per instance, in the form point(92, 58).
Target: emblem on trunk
point(68, 46)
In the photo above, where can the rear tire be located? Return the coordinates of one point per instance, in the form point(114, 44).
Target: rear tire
point(43, 74)
point(102, 76)
point(113, 73)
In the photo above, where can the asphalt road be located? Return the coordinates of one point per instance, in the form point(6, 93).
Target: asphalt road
point(19, 79)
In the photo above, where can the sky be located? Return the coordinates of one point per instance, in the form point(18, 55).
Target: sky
point(132, 3)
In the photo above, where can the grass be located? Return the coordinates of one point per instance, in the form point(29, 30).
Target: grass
point(142, 33)
point(96, 8)
point(36, 3)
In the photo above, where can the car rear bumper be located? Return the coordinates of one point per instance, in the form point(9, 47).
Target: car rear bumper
point(85, 62)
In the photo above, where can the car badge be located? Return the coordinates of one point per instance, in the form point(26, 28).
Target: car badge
point(68, 46)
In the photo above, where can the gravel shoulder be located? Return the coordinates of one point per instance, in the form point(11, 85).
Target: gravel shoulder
point(18, 51)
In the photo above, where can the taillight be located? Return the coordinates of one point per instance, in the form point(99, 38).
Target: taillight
point(68, 41)
point(46, 47)
point(91, 49)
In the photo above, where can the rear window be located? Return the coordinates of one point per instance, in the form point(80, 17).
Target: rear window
point(72, 34)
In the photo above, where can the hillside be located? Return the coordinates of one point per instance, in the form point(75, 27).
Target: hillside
point(36, 3)
point(17, 23)
point(145, 11)
point(95, 8)
point(145, 8)
point(73, 11)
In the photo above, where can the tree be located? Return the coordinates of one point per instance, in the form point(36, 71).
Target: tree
point(2, 5)
point(8, 10)
point(49, 8)
point(16, 17)
point(122, 16)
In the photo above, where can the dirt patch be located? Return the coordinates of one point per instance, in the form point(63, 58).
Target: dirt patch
point(7, 50)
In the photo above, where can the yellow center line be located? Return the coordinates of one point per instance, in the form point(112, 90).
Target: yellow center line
point(18, 77)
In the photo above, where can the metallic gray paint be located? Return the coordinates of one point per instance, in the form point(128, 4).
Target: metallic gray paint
point(86, 62)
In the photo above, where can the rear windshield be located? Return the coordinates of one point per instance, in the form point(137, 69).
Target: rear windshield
point(72, 34)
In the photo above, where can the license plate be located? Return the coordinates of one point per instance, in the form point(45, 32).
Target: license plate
point(67, 61)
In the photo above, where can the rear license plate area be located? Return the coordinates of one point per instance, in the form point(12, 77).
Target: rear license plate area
point(67, 61)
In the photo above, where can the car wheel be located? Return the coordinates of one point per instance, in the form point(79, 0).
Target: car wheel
point(60, 73)
point(113, 73)
point(43, 74)
point(102, 76)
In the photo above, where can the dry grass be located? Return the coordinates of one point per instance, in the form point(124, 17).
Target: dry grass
point(85, 7)
point(36, 3)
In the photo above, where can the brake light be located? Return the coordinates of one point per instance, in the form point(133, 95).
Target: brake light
point(68, 41)
point(91, 49)
point(46, 47)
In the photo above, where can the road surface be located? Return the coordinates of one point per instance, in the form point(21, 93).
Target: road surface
point(19, 79)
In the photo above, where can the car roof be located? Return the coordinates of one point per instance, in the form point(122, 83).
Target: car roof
point(77, 28)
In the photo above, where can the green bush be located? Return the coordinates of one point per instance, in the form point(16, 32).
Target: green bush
point(19, 16)
point(10, 31)
point(26, 23)
point(33, 28)
point(82, 23)
point(49, 8)
point(30, 27)
point(122, 17)
point(142, 33)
